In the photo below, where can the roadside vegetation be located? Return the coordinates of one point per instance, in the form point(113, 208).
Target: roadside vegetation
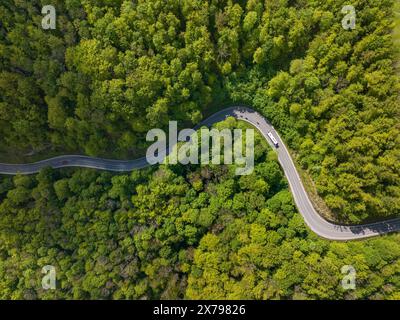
point(172, 232)
point(396, 33)
point(112, 70)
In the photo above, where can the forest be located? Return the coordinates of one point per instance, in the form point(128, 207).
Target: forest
point(178, 232)
point(113, 69)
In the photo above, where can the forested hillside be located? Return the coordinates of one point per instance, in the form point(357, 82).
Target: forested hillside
point(114, 69)
point(177, 232)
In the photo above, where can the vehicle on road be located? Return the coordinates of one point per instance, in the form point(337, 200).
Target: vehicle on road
point(273, 139)
point(315, 222)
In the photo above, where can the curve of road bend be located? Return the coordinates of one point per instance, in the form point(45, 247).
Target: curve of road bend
point(314, 221)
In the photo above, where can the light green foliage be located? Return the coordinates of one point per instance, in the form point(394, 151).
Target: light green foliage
point(177, 232)
point(114, 69)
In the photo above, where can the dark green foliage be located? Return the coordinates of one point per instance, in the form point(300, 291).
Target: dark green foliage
point(202, 233)
point(114, 69)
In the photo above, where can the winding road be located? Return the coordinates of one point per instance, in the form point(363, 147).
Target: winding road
point(314, 221)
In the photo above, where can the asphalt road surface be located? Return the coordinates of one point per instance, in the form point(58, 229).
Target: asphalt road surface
point(314, 221)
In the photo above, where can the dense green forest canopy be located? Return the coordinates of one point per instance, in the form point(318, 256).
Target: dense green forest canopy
point(114, 69)
point(197, 232)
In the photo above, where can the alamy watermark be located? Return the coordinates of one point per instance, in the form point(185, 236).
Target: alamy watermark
point(186, 147)
point(349, 280)
point(49, 20)
point(49, 280)
point(349, 20)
